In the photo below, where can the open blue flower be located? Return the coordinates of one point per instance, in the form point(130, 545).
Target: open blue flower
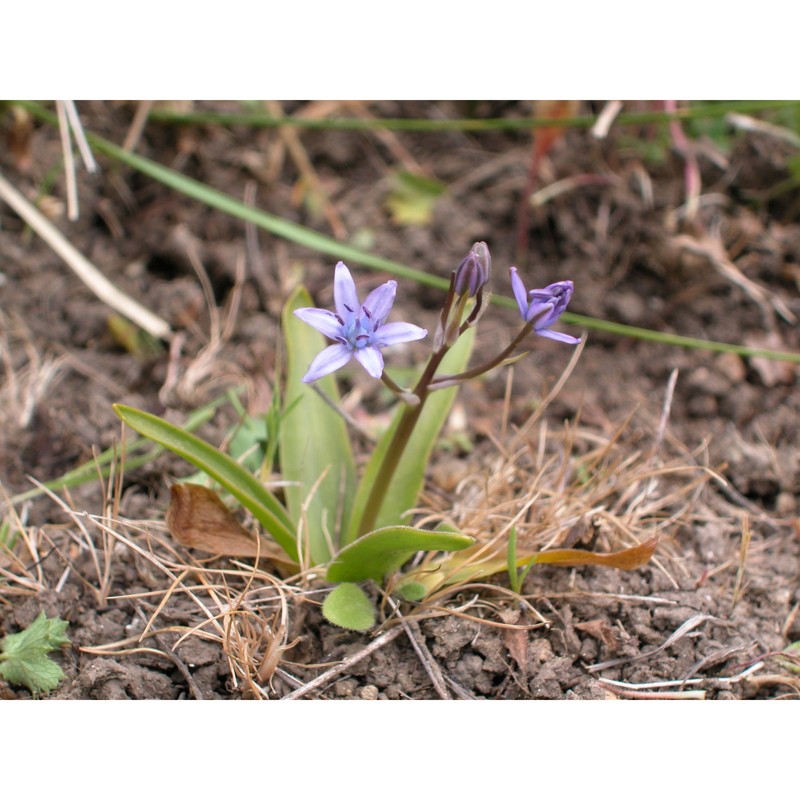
point(357, 329)
point(543, 306)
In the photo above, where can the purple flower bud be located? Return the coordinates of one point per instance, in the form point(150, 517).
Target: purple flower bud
point(473, 273)
point(543, 306)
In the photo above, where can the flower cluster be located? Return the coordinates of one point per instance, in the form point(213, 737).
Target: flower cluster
point(360, 331)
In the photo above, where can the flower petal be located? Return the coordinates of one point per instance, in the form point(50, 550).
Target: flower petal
point(543, 315)
point(557, 336)
point(371, 359)
point(329, 360)
point(398, 332)
point(379, 302)
point(344, 292)
point(326, 322)
point(519, 292)
point(540, 296)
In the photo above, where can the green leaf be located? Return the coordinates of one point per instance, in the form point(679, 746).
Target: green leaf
point(247, 489)
point(409, 477)
point(23, 655)
point(382, 551)
point(315, 450)
point(349, 607)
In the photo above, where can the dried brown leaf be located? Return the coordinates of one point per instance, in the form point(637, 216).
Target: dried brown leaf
point(198, 518)
point(516, 639)
point(600, 629)
point(630, 558)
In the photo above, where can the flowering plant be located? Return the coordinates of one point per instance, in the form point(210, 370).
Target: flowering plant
point(356, 528)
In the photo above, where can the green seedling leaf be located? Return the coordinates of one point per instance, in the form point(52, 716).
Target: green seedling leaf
point(249, 444)
point(315, 450)
point(383, 551)
point(792, 661)
point(349, 607)
point(234, 478)
point(24, 656)
point(413, 198)
point(411, 591)
point(410, 475)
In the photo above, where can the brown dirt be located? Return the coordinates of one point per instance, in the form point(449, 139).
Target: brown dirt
point(633, 260)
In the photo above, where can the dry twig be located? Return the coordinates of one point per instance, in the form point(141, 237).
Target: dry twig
point(81, 266)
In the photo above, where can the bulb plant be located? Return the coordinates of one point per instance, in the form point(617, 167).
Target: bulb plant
point(355, 529)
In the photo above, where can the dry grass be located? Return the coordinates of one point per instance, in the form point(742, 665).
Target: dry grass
point(563, 487)
point(27, 380)
point(566, 488)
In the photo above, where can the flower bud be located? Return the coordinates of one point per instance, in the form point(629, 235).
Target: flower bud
point(543, 307)
point(473, 273)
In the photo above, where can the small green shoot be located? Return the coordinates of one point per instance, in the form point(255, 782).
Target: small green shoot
point(516, 576)
point(24, 657)
point(792, 659)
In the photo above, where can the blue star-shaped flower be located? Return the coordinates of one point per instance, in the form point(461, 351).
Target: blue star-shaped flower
point(357, 329)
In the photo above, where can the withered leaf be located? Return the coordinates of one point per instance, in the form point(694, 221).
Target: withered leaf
point(602, 631)
point(630, 558)
point(516, 639)
point(198, 518)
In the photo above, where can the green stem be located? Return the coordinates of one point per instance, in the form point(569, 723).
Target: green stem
point(486, 366)
point(397, 446)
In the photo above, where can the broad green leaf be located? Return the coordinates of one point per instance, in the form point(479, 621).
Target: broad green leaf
point(349, 607)
point(315, 450)
point(383, 551)
point(247, 489)
point(408, 479)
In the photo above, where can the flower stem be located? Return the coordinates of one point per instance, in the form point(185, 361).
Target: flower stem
point(397, 446)
point(486, 366)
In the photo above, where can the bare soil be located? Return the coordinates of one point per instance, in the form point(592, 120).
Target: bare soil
point(681, 624)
